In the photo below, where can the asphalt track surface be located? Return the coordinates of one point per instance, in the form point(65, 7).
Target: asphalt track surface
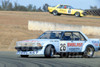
point(10, 59)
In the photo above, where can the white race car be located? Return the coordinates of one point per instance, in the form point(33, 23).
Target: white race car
point(63, 43)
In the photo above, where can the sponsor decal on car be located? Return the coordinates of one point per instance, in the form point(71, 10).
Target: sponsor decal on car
point(74, 44)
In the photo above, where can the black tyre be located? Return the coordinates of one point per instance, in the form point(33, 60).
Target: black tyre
point(49, 52)
point(89, 52)
point(58, 14)
point(77, 14)
point(64, 55)
point(24, 56)
point(55, 13)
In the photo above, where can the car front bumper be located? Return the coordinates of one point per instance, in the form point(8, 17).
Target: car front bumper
point(29, 50)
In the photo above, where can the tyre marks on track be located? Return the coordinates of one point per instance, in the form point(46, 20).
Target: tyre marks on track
point(8, 61)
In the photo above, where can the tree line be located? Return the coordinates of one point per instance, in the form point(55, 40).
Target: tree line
point(8, 6)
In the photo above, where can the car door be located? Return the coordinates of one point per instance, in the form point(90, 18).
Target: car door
point(66, 9)
point(66, 38)
point(62, 9)
point(69, 10)
point(77, 42)
point(71, 42)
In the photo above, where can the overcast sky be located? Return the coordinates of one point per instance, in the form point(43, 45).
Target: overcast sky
point(83, 4)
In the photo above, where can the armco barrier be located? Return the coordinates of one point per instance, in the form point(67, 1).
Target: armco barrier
point(95, 12)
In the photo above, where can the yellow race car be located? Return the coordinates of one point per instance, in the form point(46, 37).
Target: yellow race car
point(66, 9)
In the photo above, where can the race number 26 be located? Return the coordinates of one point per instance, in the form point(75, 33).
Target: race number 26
point(62, 47)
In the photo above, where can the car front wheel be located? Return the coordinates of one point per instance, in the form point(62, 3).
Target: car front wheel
point(49, 52)
point(89, 52)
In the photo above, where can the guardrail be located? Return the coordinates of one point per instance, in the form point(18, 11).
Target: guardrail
point(95, 12)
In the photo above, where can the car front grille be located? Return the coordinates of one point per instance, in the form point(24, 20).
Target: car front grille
point(28, 48)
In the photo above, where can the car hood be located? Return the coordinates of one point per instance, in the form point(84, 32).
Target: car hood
point(34, 42)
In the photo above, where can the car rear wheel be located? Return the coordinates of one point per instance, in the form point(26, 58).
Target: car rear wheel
point(24, 56)
point(77, 14)
point(55, 13)
point(49, 52)
point(89, 52)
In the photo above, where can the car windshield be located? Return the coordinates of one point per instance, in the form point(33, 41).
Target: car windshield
point(50, 35)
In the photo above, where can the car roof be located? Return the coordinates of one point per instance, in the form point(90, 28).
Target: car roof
point(62, 31)
point(64, 4)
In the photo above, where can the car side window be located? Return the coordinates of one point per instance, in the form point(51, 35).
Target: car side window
point(67, 36)
point(78, 36)
point(61, 6)
point(69, 7)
